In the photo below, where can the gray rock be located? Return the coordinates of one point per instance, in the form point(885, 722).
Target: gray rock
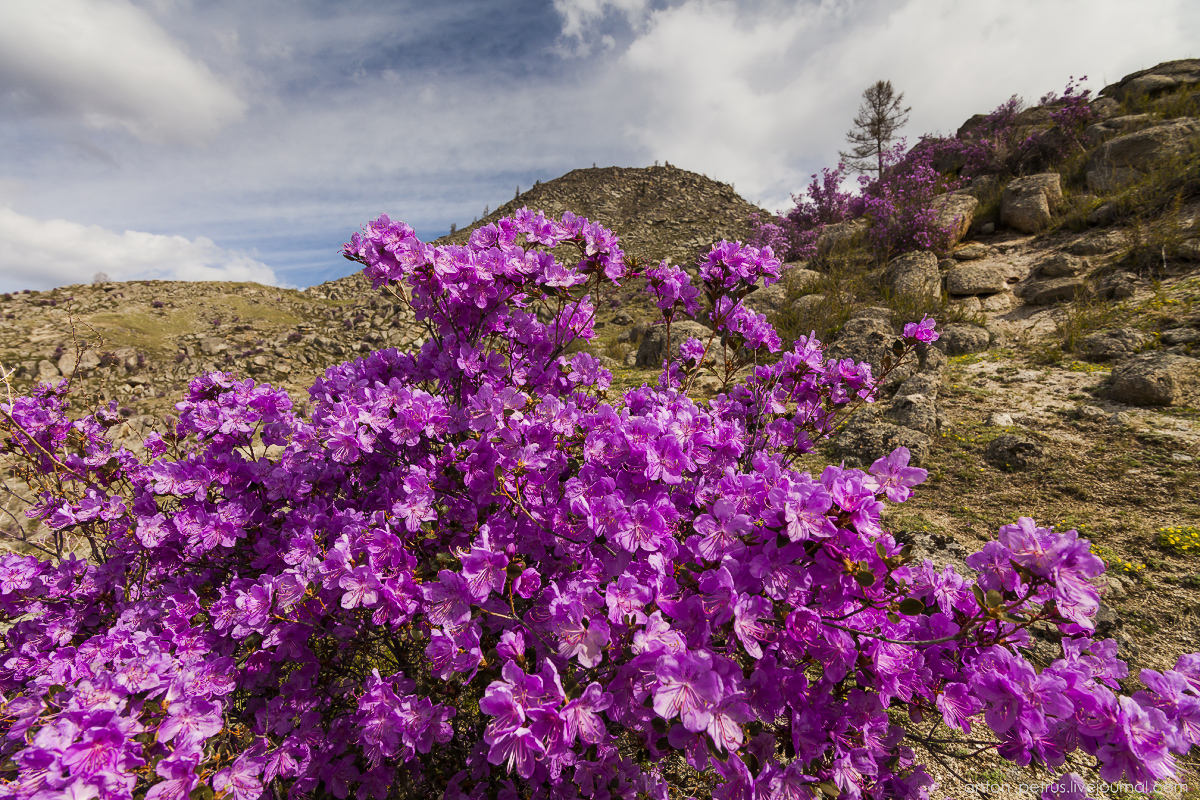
point(1095, 134)
point(1054, 290)
point(1105, 214)
point(864, 441)
point(975, 279)
point(1001, 301)
point(801, 278)
point(987, 228)
point(808, 303)
point(959, 338)
point(1118, 285)
point(1012, 453)
point(954, 213)
point(1155, 379)
point(972, 251)
point(870, 339)
point(999, 419)
point(1094, 244)
point(915, 411)
point(1112, 345)
point(1105, 107)
point(653, 348)
point(47, 371)
point(1167, 75)
point(982, 185)
point(1091, 412)
point(1126, 158)
point(926, 383)
point(863, 339)
point(212, 346)
point(767, 300)
point(915, 275)
point(1180, 336)
point(841, 233)
point(1061, 265)
point(1027, 203)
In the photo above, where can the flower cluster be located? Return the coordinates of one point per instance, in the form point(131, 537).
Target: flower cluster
point(469, 572)
point(793, 235)
point(900, 206)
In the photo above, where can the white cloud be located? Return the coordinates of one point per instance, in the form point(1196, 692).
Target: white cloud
point(579, 16)
point(110, 65)
point(45, 253)
point(762, 94)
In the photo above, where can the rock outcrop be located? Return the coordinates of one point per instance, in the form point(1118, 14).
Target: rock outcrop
point(1028, 203)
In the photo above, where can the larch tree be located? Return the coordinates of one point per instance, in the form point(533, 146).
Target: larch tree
point(881, 114)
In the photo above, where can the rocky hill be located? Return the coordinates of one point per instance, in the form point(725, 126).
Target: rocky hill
point(1066, 386)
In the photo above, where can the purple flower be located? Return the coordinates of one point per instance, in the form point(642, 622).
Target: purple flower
point(449, 599)
point(191, 720)
point(517, 749)
point(582, 715)
point(958, 706)
point(894, 477)
point(923, 331)
point(686, 687)
point(721, 531)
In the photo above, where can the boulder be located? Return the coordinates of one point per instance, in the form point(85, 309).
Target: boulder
point(1001, 301)
point(1094, 244)
point(863, 339)
point(866, 440)
point(1126, 158)
point(840, 233)
point(977, 279)
point(1118, 285)
point(1174, 336)
point(1112, 345)
point(47, 371)
point(954, 211)
point(211, 346)
point(960, 338)
point(653, 348)
point(1155, 379)
point(1161, 77)
point(1095, 134)
point(1012, 453)
point(1027, 202)
point(1061, 265)
point(808, 303)
point(915, 411)
point(801, 278)
point(767, 300)
point(981, 186)
point(971, 252)
point(1054, 290)
point(915, 275)
point(924, 383)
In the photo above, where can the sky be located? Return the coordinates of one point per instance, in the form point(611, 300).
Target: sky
point(226, 140)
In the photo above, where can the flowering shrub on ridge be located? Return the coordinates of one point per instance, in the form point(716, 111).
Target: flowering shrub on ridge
point(470, 573)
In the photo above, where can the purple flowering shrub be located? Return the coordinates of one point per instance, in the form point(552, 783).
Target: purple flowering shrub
point(469, 573)
point(793, 235)
point(900, 206)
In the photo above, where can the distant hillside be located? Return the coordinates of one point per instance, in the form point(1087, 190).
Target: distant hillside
point(659, 212)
